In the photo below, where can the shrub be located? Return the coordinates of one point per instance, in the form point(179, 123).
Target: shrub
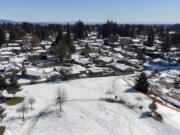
point(157, 116)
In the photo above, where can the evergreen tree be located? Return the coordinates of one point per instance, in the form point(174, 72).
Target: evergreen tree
point(68, 30)
point(86, 50)
point(141, 57)
point(166, 45)
point(108, 29)
point(14, 86)
point(70, 46)
point(79, 30)
point(142, 83)
point(2, 37)
point(150, 40)
point(62, 46)
point(3, 85)
point(112, 39)
point(13, 35)
point(59, 37)
point(2, 113)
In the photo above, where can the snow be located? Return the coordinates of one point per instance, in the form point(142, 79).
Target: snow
point(121, 67)
point(85, 113)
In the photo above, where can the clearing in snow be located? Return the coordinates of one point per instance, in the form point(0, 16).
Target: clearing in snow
point(86, 113)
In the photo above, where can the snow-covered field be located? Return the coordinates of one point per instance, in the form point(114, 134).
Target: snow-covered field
point(85, 113)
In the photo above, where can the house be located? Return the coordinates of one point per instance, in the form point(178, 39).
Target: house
point(103, 61)
point(82, 61)
point(117, 49)
point(11, 68)
point(34, 73)
point(95, 71)
point(73, 71)
point(160, 62)
point(54, 75)
point(93, 55)
point(134, 62)
point(122, 68)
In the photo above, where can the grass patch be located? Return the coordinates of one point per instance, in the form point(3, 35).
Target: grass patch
point(15, 101)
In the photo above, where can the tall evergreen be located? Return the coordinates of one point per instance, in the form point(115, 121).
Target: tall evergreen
point(59, 37)
point(141, 57)
point(108, 29)
point(2, 37)
point(166, 45)
point(79, 30)
point(14, 86)
point(68, 30)
point(3, 85)
point(150, 40)
point(69, 43)
point(142, 83)
point(13, 35)
point(63, 46)
point(86, 50)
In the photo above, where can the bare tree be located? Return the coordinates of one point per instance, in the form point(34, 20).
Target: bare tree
point(35, 41)
point(31, 102)
point(23, 108)
point(61, 98)
point(2, 113)
point(109, 93)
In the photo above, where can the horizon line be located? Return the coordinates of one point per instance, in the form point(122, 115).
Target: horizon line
point(89, 22)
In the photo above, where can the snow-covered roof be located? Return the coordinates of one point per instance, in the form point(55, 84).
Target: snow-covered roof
point(117, 49)
point(82, 61)
point(160, 61)
point(153, 48)
point(121, 67)
point(136, 40)
point(34, 72)
point(76, 69)
point(105, 59)
point(7, 53)
point(134, 61)
point(10, 67)
point(46, 43)
point(95, 70)
point(93, 55)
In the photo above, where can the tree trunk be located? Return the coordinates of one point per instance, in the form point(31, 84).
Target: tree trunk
point(1, 95)
point(60, 107)
point(23, 115)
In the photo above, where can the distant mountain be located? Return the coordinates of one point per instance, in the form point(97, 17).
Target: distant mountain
point(9, 21)
point(91, 23)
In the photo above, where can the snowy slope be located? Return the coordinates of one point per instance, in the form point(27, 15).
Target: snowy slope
point(86, 113)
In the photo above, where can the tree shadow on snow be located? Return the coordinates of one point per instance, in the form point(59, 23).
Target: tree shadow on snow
point(4, 99)
point(145, 115)
point(131, 90)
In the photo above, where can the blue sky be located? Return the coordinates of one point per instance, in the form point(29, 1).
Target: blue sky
point(91, 10)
